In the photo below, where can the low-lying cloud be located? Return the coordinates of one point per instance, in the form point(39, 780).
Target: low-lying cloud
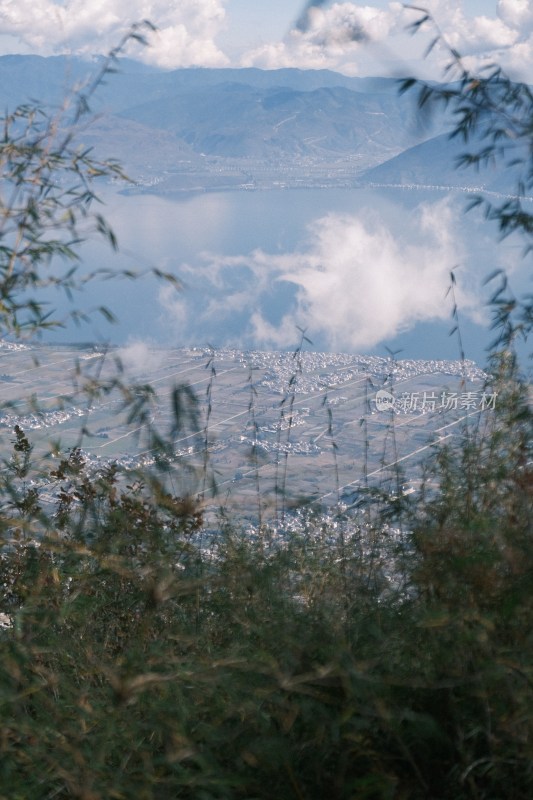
point(354, 284)
point(138, 356)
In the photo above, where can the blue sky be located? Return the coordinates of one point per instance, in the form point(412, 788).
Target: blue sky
point(250, 33)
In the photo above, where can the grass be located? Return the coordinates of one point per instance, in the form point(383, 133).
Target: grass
point(342, 659)
point(381, 652)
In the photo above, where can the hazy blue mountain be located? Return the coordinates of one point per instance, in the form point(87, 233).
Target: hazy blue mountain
point(236, 119)
point(432, 163)
point(210, 128)
point(48, 81)
point(213, 128)
point(30, 77)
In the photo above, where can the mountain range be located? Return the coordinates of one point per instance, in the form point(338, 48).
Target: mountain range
point(198, 129)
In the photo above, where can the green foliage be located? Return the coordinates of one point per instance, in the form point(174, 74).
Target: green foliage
point(140, 660)
point(381, 654)
point(492, 115)
point(47, 196)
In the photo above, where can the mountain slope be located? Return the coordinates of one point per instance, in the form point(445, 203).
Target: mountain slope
point(214, 128)
point(432, 162)
point(236, 119)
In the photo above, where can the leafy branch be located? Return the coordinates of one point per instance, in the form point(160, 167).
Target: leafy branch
point(46, 202)
point(493, 115)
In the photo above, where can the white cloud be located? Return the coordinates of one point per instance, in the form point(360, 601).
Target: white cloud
point(355, 283)
point(138, 356)
point(175, 310)
point(332, 38)
point(360, 285)
point(361, 39)
point(517, 14)
point(352, 37)
point(286, 333)
point(186, 30)
point(505, 38)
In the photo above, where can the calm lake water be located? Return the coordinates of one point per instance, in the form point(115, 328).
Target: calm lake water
point(361, 270)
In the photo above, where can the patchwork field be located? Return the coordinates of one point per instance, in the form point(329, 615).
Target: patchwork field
point(314, 425)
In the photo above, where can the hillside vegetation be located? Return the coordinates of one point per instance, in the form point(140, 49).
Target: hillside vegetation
point(387, 654)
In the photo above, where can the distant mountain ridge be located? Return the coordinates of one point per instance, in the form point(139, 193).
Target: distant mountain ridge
point(200, 128)
point(240, 120)
point(217, 128)
point(25, 77)
point(431, 163)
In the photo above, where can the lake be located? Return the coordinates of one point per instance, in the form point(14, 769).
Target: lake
point(360, 270)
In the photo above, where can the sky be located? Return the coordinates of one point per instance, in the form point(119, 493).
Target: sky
point(356, 38)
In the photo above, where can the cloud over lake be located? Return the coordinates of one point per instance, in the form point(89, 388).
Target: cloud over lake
point(353, 282)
